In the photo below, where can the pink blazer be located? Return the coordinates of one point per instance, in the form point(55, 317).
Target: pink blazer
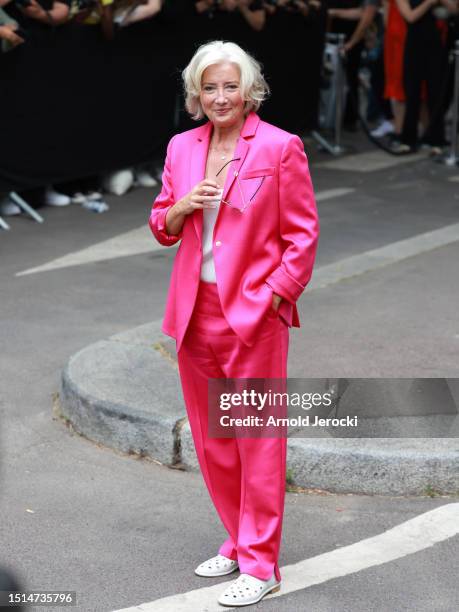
point(270, 247)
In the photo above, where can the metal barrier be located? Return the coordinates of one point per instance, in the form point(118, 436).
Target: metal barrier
point(25, 207)
point(339, 80)
point(16, 198)
point(452, 158)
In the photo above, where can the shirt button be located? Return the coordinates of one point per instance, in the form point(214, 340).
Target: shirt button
point(218, 243)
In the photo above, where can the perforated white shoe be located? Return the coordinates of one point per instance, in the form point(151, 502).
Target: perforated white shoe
point(217, 566)
point(247, 590)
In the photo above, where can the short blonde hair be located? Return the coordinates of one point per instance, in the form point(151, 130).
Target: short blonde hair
point(254, 88)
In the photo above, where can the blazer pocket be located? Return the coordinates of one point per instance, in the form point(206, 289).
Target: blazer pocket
point(262, 172)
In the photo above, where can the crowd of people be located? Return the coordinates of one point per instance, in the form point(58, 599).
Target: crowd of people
point(405, 44)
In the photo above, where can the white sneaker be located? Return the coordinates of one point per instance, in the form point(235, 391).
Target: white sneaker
point(144, 179)
point(94, 196)
point(81, 198)
point(247, 590)
point(217, 566)
point(53, 198)
point(119, 182)
point(8, 208)
point(435, 150)
point(78, 198)
point(383, 129)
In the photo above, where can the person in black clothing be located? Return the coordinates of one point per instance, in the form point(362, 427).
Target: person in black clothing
point(240, 21)
point(352, 18)
point(424, 59)
point(292, 56)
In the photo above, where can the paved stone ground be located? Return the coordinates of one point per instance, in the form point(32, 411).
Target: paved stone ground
point(121, 531)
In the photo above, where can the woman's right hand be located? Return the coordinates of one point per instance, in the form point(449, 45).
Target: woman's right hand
point(203, 195)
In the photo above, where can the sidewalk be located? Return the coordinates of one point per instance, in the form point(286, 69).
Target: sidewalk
point(124, 392)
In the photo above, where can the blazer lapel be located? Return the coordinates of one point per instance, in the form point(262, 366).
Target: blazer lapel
point(242, 148)
point(240, 153)
point(199, 154)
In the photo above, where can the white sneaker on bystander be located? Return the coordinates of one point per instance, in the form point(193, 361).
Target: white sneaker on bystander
point(383, 129)
point(54, 198)
point(144, 179)
point(8, 208)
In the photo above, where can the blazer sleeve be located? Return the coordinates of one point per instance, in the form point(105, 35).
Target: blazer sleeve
point(299, 223)
point(164, 201)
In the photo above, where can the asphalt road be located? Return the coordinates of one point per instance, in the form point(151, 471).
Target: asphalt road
point(122, 531)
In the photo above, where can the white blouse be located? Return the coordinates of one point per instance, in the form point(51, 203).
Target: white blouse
point(209, 218)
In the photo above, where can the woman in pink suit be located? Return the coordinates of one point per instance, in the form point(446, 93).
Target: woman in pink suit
point(238, 195)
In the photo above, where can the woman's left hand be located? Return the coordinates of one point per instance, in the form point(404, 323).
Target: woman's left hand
point(276, 301)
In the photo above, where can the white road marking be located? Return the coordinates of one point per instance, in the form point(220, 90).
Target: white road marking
point(454, 178)
point(134, 242)
point(410, 537)
point(384, 256)
point(139, 241)
point(333, 193)
point(370, 161)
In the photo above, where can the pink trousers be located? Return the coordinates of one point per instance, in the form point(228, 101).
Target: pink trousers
point(245, 476)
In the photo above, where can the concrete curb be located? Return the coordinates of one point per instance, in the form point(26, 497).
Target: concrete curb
point(125, 393)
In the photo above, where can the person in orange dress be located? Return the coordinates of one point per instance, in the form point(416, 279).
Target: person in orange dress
point(394, 45)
